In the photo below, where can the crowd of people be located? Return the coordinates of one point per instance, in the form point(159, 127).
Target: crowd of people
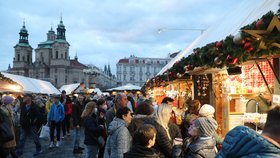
point(127, 127)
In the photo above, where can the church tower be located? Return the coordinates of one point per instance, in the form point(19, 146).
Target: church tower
point(23, 53)
point(61, 30)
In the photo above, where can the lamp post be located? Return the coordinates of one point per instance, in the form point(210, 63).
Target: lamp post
point(160, 30)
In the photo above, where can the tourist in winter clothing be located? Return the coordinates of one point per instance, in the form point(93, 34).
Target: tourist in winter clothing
point(55, 118)
point(67, 114)
point(246, 143)
point(164, 142)
point(120, 102)
point(8, 115)
point(29, 115)
point(77, 110)
point(143, 140)
point(93, 129)
point(102, 108)
point(208, 111)
point(201, 144)
point(119, 140)
point(144, 112)
point(191, 113)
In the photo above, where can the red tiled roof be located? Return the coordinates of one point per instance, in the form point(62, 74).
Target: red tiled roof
point(76, 63)
point(123, 61)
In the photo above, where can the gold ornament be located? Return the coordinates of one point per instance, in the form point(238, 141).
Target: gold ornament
point(258, 33)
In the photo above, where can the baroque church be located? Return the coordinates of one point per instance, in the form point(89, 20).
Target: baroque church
point(52, 62)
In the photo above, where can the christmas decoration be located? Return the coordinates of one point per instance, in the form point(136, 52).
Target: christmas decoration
point(218, 44)
point(237, 39)
point(259, 22)
point(275, 23)
point(217, 61)
point(231, 60)
point(260, 38)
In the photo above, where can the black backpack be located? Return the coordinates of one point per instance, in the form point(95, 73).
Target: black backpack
point(6, 133)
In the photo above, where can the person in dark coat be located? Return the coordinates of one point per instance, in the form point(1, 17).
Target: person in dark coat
point(144, 139)
point(28, 120)
point(164, 142)
point(244, 142)
point(77, 110)
point(93, 129)
point(201, 144)
point(143, 114)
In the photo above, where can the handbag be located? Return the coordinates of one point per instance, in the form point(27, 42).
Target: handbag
point(6, 133)
point(45, 132)
point(101, 142)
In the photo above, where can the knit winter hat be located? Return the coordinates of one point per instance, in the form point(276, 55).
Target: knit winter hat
point(7, 99)
point(207, 111)
point(206, 126)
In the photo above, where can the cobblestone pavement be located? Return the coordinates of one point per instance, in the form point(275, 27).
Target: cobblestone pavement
point(64, 151)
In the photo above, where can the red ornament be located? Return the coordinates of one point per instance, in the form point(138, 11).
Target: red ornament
point(259, 23)
point(177, 62)
point(231, 60)
point(248, 47)
point(218, 44)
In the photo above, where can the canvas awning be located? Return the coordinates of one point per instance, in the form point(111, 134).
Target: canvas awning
point(31, 85)
point(128, 87)
point(245, 13)
point(70, 88)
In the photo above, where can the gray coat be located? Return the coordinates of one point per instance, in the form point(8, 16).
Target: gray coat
point(203, 147)
point(119, 140)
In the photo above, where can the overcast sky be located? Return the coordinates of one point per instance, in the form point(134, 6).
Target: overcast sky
point(104, 31)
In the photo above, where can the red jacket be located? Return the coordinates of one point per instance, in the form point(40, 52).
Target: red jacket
point(68, 108)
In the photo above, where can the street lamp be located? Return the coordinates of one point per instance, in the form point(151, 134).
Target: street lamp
point(179, 29)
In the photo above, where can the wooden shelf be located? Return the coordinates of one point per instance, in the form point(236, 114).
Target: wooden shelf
point(236, 113)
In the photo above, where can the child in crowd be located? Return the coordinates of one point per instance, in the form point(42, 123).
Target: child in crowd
point(143, 140)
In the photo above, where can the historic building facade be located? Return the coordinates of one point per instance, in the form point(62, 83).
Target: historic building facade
point(52, 60)
point(137, 71)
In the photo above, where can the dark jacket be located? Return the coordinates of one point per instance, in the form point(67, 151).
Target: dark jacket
point(137, 122)
point(110, 114)
point(77, 110)
point(245, 142)
point(138, 151)
point(203, 147)
point(92, 130)
point(163, 144)
point(29, 117)
point(174, 130)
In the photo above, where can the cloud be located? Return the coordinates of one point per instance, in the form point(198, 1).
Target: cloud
point(102, 32)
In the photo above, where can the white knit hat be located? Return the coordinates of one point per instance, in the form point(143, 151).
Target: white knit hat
point(207, 111)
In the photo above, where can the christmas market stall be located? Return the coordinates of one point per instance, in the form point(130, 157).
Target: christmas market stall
point(239, 74)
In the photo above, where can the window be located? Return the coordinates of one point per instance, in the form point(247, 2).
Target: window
point(61, 56)
point(65, 55)
point(65, 79)
point(56, 54)
point(124, 77)
point(28, 58)
point(23, 58)
point(18, 57)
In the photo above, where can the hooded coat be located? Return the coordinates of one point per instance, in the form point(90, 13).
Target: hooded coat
point(244, 142)
point(138, 151)
point(119, 139)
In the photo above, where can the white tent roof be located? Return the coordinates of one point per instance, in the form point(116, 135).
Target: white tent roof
point(33, 85)
point(69, 88)
point(247, 12)
point(126, 87)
